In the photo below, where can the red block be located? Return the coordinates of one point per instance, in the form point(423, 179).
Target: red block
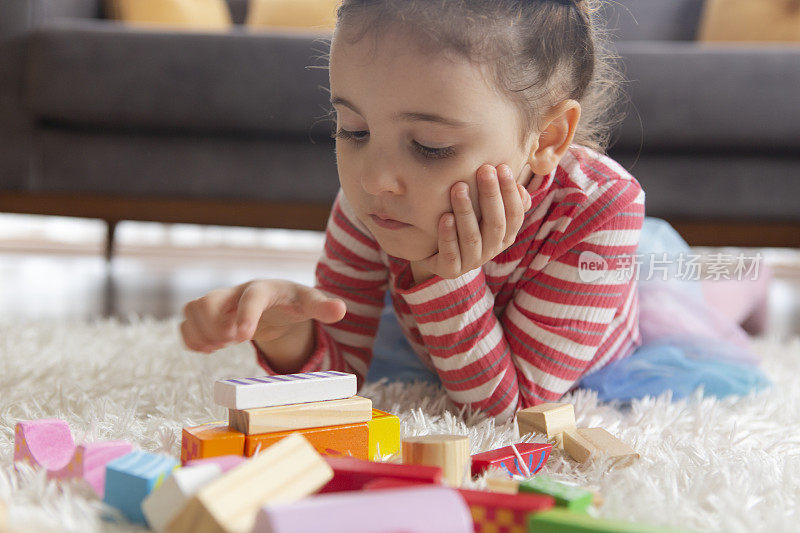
point(353, 474)
point(494, 511)
point(534, 455)
point(390, 483)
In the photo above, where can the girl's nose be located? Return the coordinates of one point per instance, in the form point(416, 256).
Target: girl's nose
point(380, 179)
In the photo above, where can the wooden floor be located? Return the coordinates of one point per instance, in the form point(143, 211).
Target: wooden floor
point(157, 269)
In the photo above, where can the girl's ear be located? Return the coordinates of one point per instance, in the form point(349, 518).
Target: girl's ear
point(556, 135)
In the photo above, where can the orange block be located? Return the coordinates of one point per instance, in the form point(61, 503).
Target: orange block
point(345, 439)
point(210, 440)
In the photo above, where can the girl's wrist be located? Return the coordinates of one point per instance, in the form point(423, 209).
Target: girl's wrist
point(419, 273)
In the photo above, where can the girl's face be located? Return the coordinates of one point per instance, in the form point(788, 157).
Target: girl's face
point(414, 126)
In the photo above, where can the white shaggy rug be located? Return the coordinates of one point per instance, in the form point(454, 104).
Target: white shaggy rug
point(707, 465)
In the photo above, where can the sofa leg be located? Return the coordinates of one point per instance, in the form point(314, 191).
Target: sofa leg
point(111, 228)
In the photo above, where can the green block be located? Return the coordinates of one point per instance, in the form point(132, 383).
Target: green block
point(558, 520)
point(575, 499)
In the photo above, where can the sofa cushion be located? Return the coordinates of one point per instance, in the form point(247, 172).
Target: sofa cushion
point(319, 14)
point(104, 74)
point(689, 96)
point(745, 20)
point(185, 14)
point(657, 20)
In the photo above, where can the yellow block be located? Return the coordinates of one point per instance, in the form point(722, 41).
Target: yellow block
point(316, 14)
point(384, 434)
point(185, 14)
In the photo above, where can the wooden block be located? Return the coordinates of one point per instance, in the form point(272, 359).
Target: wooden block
point(301, 416)
point(384, 434)
point(47, 443)
point(560, 520)
point(284, 472)
point(450, 452)
point(89, 463)
point(501, 483)
point(548, 418)
point(210, 440)
point(347, 440)
point(390, 483)
point(266, 391)
point(161, 505)
point(417, 509)
point(534, 456)
point(225, 462)
point(581, 443)
point(573, 498)
point(493, 512)
point(130, 478)
point(354, 474)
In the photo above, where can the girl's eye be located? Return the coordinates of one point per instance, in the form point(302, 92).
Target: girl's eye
point(431, 153)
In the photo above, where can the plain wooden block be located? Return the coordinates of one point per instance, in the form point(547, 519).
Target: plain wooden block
point(46, 442)
point(210, 440)
point(346, 439)
point(161, 505)
point(89, 463)
point(384, 434)
point(533, 455)
point(581, 443)
point(284, 472)
point(449, 452)
point(499, 482)
point(549, 418)
point(573, 498)
point(266, 391)
point(415, 509)
point(301, 416)
point(130, 478)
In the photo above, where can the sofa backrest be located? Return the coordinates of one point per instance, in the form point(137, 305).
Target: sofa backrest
point(653, 20)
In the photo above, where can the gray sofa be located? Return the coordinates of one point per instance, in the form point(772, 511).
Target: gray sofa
point(103, 120)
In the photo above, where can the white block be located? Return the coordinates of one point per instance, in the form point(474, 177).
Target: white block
point(267, 391)
point(161, 505)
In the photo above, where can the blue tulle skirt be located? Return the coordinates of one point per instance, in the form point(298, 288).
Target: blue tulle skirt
point(685, 343)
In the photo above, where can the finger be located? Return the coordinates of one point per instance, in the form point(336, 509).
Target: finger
point(526, 197)
point(204, 314)
point(448, 260)
point(493, 221)
point(195, 339)
point(317, 305)
point(467, 228)
point(252, 302)
point(512, 204)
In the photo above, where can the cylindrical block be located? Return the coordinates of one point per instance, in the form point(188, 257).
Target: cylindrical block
point(450, 452)
point(428, 509)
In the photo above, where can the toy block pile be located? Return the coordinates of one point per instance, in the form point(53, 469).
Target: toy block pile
point(557, 422)
point(294, 477)
point(322, 406)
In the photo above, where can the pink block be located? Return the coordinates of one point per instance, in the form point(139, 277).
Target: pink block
point(46, 442)
point(425, 509)
point(225, 462)
point(89, 462)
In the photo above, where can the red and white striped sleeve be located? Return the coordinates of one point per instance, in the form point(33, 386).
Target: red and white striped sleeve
point(554, 327)
point(349, 268)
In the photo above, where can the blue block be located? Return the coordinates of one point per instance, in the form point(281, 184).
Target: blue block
point(130, 478)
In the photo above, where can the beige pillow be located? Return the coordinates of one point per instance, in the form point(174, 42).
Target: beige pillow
point(184, 14)
point(311, 14)
point(750, 20)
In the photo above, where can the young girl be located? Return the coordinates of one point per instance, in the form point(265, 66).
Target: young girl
point(474, 189)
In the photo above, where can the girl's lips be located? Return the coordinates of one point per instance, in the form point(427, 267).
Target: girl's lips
point(388, 223)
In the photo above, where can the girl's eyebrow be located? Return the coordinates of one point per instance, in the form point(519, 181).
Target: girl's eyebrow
point(411, 116)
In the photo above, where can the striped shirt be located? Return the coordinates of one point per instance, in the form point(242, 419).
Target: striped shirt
point(527, 325)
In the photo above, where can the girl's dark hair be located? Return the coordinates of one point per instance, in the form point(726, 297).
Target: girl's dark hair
point(538, 52)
